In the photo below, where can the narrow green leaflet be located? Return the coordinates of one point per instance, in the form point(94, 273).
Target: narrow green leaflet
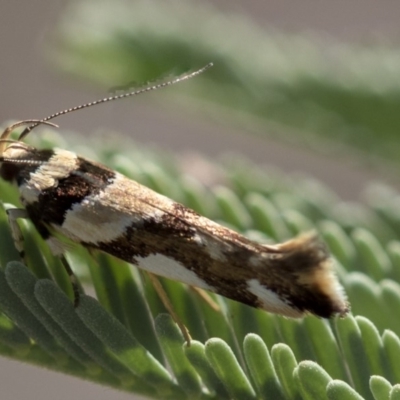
point(380, 387)
point(228, 370)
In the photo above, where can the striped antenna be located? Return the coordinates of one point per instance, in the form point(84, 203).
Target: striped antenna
point(146, 89)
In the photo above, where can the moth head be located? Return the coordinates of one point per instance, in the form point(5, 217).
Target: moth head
point(14, 154)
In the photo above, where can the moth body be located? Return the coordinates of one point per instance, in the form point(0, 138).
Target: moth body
point(64, 194)
point(101, 209)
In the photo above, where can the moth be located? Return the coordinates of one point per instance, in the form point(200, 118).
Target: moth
point(92, 205)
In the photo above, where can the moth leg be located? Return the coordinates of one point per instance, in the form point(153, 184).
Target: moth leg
point(168, 305)
point(13, 214)
point(206, 298)
point(73, 280)
point(58, 250)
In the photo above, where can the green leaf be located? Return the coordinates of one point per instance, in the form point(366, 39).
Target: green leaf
point(339, 390)
point(391, 344)
point(228, 370)
point(58, 306)
point(395, 392)
point(261, 368)
point(232, 210)
point(339, 243)
point(266, 217)
point(196, 354)
point(313, 380)
point(285, 363)
point(127, 349)
point(364, 296)
point(12, 336)
point(380, 387)
point(23, 283)
point(26, 321)
point(296, 337)
point(172, 343)
point(375, 261)
point(373, 346)
point(350, 339)
point(390, 294)
point(326, 348)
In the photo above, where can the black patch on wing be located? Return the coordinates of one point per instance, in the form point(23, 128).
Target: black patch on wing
point(20, 169)
point(279, 270)
point(53, 203)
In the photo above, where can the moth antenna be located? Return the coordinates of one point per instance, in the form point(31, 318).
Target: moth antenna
point(7, 132)
point(146, 89)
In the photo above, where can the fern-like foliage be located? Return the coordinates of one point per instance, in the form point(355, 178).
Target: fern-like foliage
point(125, 340)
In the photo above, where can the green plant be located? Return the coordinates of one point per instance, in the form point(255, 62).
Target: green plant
point(116, 343)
